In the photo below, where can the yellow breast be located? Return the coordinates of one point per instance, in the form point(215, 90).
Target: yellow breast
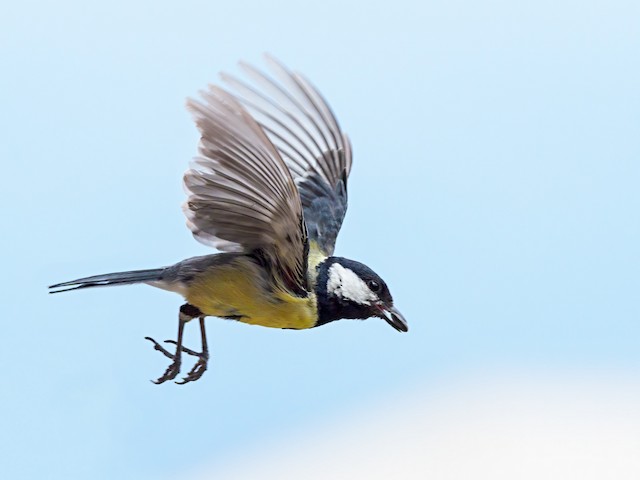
point(237, 289)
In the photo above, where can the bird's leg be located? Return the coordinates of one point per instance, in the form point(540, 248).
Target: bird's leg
point(172, 370)
point(203, 357)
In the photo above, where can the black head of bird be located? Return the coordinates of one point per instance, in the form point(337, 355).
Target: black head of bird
point(269, 189)
point(349, 289)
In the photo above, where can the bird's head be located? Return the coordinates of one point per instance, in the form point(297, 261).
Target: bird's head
point(349, 289)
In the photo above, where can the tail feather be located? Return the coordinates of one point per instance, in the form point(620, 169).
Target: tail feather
point(118, 278)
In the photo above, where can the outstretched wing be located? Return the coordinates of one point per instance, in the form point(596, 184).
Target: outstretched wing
point(241, 197)
point(301, 125)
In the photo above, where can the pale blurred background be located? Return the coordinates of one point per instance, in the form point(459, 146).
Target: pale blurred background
point(495, 188)
point(550, 426)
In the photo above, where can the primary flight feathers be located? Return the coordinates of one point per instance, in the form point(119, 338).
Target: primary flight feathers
point(302, 126)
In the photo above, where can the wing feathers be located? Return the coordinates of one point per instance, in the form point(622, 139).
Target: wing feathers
point(280, 120)
point(299, 111)
point(277, 133)
point(241, 196)
point(304, 129)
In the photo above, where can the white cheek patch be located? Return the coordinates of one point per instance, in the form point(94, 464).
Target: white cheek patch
point(346, 284)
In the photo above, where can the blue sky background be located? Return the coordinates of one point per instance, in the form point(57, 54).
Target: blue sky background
point(495, 187)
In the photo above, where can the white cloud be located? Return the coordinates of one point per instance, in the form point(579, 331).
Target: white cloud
point(525, 427)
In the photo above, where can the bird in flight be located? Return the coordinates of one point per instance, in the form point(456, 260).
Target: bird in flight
point(268, 189)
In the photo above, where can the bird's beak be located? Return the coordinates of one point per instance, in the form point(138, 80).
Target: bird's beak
point(394, 318)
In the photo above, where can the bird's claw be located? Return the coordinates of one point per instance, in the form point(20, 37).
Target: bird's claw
point(198, 369)
point(172, 370)
point(170, 373)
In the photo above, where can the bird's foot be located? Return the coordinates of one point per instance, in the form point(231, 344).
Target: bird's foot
point(170, 373)
point(172, 370)
point(198, 369)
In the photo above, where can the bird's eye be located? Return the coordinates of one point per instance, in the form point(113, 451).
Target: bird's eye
point(373, 285)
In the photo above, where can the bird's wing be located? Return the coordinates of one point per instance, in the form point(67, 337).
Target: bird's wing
point(301, 125)
point(241, 197)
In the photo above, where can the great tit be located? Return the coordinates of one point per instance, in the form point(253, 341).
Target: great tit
point(268, 189)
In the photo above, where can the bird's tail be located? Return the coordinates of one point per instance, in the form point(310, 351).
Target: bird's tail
point(118, 278)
